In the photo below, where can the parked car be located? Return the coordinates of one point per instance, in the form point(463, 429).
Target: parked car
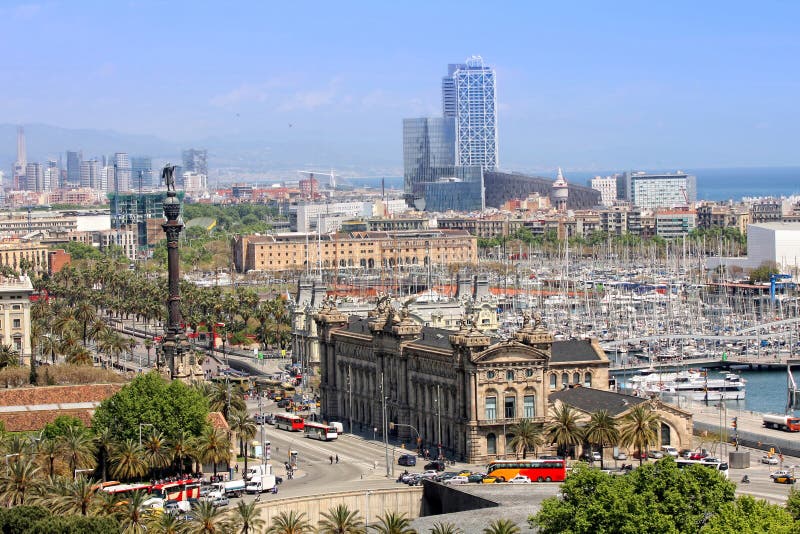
point(621, 456)
point(489, 480)
point(685, 453)
point(458, 479)
point(520, 479)
point(407, 460)
point(220, 502)
point(698, 455)
point(656, 455)
point(769, 459)
point(464, 473)
point(780, 473)
point(784, 479)
point(669, 451)
point(476, 478)
point(436, 465)
point(429, 473)
point(283, 403)
point(441, 477)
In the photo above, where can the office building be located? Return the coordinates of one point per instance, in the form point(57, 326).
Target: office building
point(122, 173)
point(675, 223)
point(74, 160)
point(659, 190)
point(34, 177)
point(194, 183)
point(15, 315)
point(449, 107)
point(142, 173)
point(476, 114)
point(21, 164)
point(134, 211)
point(90, 174)
point(195, 160)
point(52, 176)
point(607, 187)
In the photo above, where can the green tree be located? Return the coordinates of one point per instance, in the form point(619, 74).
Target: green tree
point(214, 446)
point(445, 528)
point(502, 526)
point(19, 518)
point(207, 519)
point(127, 460)
point(78, 497)
point(165, 524)
point(133, 516)
point(565, 430)
point(764, 271)
point(8, 356)
point(247, 518)
point(393, 523)
point(78, 448)
point(156, 451)
point(341, 520)
point(150, 400)
point(290, 522)
point(245, 428)
point(601, 430)
point(526, 436)
point(59, 426)
point(639, 428)
point(793, 503)
point(20, 482)
point(747, 514)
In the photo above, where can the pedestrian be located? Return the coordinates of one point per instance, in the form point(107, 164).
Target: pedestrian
point(337, 458)
point(236, 467)
point(331, 459)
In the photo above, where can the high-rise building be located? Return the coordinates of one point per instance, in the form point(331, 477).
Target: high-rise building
point(659, 190)
point(34, 177)
point(195, 160)
point(122, 175)
point(90, 174)
point(141, 173)
point(476, 114)
point(22, 161)
point(52, 176)
point(74, 168)
point(449, 90)
point(607, 187)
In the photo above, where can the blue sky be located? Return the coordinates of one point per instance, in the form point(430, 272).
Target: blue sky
point(583, 85)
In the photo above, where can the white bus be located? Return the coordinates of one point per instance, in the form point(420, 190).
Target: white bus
point(720, 466)
point(320, 431)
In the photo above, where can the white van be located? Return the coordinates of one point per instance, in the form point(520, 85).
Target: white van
point(669, 451)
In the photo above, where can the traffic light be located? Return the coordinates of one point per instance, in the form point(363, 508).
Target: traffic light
point(735, 422)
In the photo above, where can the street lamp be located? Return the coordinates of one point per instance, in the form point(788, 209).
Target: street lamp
point(392, 426)
point(140, 431)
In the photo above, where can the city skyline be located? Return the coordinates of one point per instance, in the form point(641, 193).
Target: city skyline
point(633, 86)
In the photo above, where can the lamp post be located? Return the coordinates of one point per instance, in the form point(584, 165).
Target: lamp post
point(412, 427)
point(384, 428)
point(140, 431)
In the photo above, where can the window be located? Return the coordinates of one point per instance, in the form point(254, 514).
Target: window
point(491, 408)
point(564, 380)
point(509, 448)
point(490, 375)
point(576, 378)
point(553, 381)
point(529, 372)
point(491, 444)
point(587, 380)
point(510, 376)
point(510, 407)
point(529, 407)
point(17, 323)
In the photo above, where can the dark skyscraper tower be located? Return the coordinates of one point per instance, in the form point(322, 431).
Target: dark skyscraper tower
point(74, 160)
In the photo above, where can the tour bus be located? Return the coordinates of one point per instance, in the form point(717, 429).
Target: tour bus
point(287, 421)
point(720, 466)
point(782, 422)
point(535, 469)
point(180, 490)
point(124, 489)
point(320, 431)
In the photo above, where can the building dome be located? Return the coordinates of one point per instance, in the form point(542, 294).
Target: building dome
point(560, 191)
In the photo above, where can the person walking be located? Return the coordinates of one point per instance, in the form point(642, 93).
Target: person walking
point(337, 458)
point(331, 459)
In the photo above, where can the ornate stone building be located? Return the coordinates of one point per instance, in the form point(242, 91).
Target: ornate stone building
point(460, 389)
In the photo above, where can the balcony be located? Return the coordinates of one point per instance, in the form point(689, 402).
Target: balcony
point(509, 421)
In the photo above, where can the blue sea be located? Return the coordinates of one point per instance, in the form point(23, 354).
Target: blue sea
point(712, 184)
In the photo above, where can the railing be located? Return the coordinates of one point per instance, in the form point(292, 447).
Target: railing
point(508, 421)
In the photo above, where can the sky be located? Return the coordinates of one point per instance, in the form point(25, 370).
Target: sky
point(582, 85)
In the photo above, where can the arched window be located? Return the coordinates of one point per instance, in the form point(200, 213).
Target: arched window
point(576, 378)
point(665, 434)
point(491, 444)
point(564, 380)
point(553, 381)
point(587, 380)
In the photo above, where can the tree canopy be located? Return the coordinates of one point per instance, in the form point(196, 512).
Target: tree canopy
point(150, 400)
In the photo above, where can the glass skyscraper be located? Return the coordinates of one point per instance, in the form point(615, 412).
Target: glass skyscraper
point(142, 173)
point(476, 113)
point(429, 149)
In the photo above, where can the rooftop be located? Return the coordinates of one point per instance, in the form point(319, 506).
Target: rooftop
point(590, 400)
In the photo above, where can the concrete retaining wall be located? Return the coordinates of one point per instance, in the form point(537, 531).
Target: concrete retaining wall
point(441, 499)
point(790, 446)
point(369, 503)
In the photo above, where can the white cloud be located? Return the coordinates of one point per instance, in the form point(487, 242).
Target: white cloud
point(310, 100)
point(244, 93)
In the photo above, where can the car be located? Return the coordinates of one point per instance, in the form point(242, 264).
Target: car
point(476, 478)
point(220, 502)
point(710, 460)
point(780, 473)
point(596, 456)
point(656, 455)
point(489, 480)
point(283, 403)
point(669, 451)
point(784, 479)
point(260, 418)
point(685, 453)
point(436, 465)
point(205, 490)
point(458, 479)
point(520, 479)
point(698, 455)
point(464, 473)
point(441, 477)
point(769, 459)
point(621, 456)
point(407, 460)
point(429, 473)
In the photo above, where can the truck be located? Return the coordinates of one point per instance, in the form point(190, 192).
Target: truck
point(257, 471)
point(229, 488)
point(262, 483)
point(782, 422)
point(338, 426)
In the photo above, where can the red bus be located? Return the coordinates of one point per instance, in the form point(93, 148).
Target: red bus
point(287, 421)
point(179, 490)
point(535, 469)
point(122, 489)
point(320, 431)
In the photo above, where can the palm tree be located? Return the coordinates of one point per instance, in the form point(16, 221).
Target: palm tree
point(564, 430)
point(602, 431)
point(155, 450)
point(445, 528)
point(393, 523)
point(133, 518)
point(214, 446)
point(127, 460)
point(165, 524)
point(527, 436)
point(245, 428)
point(85, 313)
point(247, 518)
point(77, 497)
point(148, 345)
point(21, 480)
point(51, 346)
point(225, 398)
point(639, 428)
point(8, 356)
point(48, 451)
point(206, 519)
point(77, 445)
point(289, 523)
point(180, 447)
point(340, 520)
point(79, 356)
point(107, 503)
point(502, 526)
point(104, 442)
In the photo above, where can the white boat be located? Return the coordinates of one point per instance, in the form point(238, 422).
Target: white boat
point(692, 383)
